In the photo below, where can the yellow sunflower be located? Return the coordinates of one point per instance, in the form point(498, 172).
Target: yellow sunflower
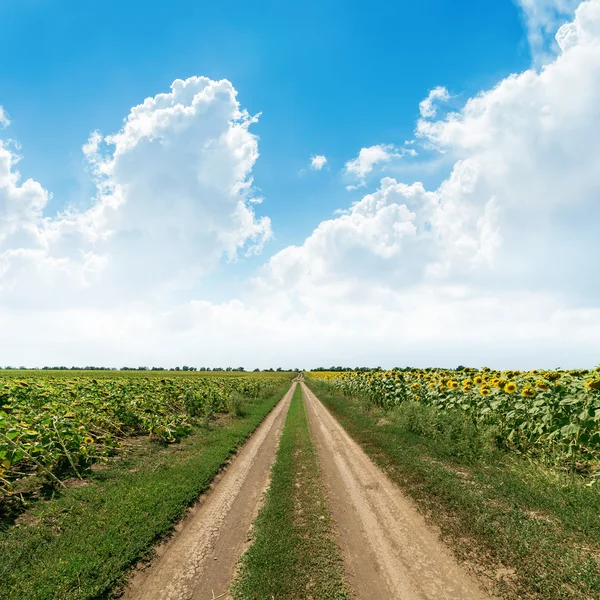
point(510, 388)
point(484, 390)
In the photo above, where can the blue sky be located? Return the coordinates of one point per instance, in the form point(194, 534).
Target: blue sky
point(310, 70)
point(164, 258)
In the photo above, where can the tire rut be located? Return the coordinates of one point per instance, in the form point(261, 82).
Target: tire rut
point(389, 550)
point(199, 561)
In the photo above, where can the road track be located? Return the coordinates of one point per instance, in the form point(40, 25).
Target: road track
point(199, 561)
point(389, 551)
point(388, 548)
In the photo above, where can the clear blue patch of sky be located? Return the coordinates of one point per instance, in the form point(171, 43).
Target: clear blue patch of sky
point(328, 76)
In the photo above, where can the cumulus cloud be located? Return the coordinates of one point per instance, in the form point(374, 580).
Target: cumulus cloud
point(174, 194)
point(318, 161)
point(360, 167)
point(374, 240)
point(510, 235)
point(495, 265)
point(542, 20)
point(367, 158)
point(427, 107)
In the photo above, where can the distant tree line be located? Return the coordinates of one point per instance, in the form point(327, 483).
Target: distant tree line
point(184, 368)
point(91, 368)
point(215, 369)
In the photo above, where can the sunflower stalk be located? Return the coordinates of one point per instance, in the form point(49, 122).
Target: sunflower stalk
point(33, 460)
point(67, 453)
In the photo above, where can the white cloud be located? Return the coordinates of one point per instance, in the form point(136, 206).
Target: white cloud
point(496, 265)
point(317, 162)
point(502, 251)
point(427, 107)
point(422, 328)
point(364, 164)
point(367, 158)
point(542, 20)
point(360, 167)
point(174, 197)
point(4, 120)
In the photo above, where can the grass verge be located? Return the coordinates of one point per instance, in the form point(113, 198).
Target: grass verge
point(293, 554)
point(532, 533)
point(82, 543)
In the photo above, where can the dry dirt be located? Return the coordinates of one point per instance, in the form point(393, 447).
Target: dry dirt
point(389, 550)
point(199, 561)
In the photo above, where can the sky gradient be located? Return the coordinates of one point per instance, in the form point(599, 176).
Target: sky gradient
point(268, 185)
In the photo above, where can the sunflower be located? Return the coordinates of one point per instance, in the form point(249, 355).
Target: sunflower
point(528, 392)
point(478, 380)
point(540, 383)
point(415, 386)
point(453, 385)
point(443, 389)
point(467, 388)
point(593, 385)
point(88, 440)
point(484, 390)
point(510, 387)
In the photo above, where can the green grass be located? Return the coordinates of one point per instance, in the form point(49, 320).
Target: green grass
point(82, 543)
point(531, 532)
point(293, 555)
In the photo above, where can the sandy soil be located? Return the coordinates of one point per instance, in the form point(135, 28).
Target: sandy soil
point(199, 561)
point(389, 550)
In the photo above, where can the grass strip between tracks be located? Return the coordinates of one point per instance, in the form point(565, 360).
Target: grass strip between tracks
point(293, 554)
point(530, 532)
point(82, 543)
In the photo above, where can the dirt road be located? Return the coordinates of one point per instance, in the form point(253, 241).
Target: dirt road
point(199, 561)
point(389, 550)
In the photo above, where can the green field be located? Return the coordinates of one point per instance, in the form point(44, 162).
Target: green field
point(552, 416)
point(56, 424)
point(98, 466)
point(63, 537)
point(525, 515)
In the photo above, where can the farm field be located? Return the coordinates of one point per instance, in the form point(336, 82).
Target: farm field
point(404, 484)
point(504, 475)
point(148, 459)
point(550, 415)
point(55, 423)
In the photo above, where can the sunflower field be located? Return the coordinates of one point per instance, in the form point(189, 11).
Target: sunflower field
point(552, 414)
point(56, 425)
